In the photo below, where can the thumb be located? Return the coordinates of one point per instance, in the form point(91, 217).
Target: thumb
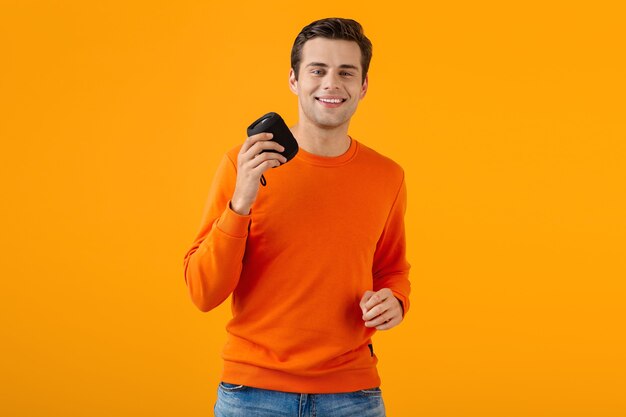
point(366, 296)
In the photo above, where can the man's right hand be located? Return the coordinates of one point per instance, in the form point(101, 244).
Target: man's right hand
point(251, 164)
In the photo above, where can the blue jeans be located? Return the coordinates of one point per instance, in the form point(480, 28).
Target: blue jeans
point(244, 401)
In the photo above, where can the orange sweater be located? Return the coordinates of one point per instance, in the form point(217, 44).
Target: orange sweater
point(322, 232)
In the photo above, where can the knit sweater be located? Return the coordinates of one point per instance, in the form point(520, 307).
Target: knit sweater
point(322, 232)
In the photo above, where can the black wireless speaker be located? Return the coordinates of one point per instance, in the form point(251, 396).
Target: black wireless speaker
point(274, 124)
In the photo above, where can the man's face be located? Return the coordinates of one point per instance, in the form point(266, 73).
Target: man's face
point(329, 85)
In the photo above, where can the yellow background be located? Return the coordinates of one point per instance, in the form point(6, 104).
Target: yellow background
point(509, 120)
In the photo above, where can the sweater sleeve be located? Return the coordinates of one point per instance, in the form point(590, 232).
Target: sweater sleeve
point(390, 268)
point(212, 266)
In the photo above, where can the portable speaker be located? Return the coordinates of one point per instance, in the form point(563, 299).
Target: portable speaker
point(273, 123)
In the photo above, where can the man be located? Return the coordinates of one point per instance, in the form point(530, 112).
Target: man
point(315, 260)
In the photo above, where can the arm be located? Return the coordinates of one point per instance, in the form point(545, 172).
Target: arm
point(212, 266)
point(390, 268)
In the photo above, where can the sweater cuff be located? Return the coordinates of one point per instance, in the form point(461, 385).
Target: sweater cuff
point(233, 224)
point(404, 302)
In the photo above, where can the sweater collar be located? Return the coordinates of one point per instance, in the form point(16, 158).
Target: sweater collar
point(329, 160)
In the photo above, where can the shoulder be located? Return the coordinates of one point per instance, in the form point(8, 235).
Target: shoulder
point(233, 152)
point(381, 164)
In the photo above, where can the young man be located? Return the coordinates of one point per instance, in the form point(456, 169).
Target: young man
point(315, 260)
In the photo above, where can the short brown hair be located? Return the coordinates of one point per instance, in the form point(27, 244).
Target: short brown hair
point(333, 28)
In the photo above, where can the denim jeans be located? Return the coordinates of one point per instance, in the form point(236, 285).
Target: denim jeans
point(244, 401)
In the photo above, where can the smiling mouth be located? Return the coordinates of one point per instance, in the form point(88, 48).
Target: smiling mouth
point(331, 100)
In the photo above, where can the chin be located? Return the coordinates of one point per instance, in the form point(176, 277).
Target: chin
point(331, 122)
point(325, 124)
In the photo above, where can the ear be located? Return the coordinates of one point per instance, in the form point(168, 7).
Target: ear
point(364, 87)
point(293, 83)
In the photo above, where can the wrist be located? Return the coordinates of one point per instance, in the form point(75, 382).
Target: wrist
point(240, 209)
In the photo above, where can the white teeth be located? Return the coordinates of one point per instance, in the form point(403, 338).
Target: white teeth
point(330, 100)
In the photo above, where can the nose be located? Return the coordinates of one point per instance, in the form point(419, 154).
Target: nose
point(331, 81)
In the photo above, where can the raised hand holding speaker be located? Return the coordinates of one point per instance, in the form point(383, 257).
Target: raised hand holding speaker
point(274, 124)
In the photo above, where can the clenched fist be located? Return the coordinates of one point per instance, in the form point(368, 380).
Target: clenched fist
point(381, 309)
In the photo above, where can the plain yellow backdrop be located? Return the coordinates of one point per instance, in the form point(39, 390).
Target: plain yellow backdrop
point(508, 118)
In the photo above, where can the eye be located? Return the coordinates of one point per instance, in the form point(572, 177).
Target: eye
point(316, 71)
point(347, 73)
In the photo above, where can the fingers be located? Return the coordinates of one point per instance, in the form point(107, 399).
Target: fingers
point(256, 154)
point(386, 320)
point(262, 161)
point(251, 140)
point(377, 297)
point(364, 300)
point(394, 321)
point(263, 147)
point(381, 309)
point(262, 141)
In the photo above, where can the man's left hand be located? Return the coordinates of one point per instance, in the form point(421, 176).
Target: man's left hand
point(381, 309)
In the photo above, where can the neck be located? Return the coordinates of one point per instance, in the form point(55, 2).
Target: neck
point(323, 142)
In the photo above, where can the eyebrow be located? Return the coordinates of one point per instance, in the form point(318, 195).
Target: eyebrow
point(321, 64)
